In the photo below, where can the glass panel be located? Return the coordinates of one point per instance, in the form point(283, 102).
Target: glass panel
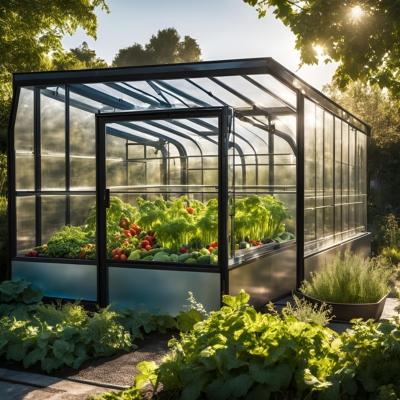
point(53, 215)
point(24, 171)
point(162, 192)
point(82, 150)
point(23, 142)
point(52, 126)
point(59, 280)
point(26, 223)
point(79, 209)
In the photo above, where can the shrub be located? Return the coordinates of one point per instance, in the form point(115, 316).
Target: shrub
point(3, 237)
point(237, 353)
point(349, 279)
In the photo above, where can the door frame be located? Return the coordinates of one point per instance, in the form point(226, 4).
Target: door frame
point(223, 114)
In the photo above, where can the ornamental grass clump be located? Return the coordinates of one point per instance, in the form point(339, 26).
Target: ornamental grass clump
point(349, 278)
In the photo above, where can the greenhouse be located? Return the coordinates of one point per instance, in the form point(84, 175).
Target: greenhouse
point(138, 185)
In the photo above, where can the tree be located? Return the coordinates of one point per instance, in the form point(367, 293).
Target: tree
point(30, 31)
point(79, 58)
point(364, 37)
point(164, 48)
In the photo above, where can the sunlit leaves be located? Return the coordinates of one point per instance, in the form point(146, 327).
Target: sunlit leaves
point(363, 37)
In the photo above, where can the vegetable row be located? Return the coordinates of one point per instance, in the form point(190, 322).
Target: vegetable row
point(177, 230)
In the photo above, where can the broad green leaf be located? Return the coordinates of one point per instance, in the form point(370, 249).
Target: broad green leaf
point(259, 392)
point(226, 358)
point(238, 386)
point(349, 385)
point(48, 364)
point(236, 301)
point(34, 356)
point(187, 319)
point(32, 296)
point(60, 347)
point(147, 370)
point(16, 352)
point(277, 377)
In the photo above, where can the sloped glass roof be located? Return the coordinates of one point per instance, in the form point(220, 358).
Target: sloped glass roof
point(262, 93)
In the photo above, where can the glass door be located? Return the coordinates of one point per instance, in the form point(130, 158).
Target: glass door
point(163, 186)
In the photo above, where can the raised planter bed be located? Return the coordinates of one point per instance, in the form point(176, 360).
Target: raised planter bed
point(348, 311)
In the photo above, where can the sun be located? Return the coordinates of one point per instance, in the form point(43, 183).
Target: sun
point(319, 50)
point(356, 12)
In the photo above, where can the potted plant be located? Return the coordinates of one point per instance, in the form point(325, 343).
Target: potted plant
point(353, 286)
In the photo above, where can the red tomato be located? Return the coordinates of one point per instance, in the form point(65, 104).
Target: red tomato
point(113, 252)
point(210, 249)
point(132, 232)
point(214, 244)
point(35, 253)
point(148, 238)
point(118, 251)
point(123, 257)
point(145, 243)
point(126, 243)
point(150, 232)
point(117, 256)
point(144, 249)
point(148, 247)
point(183, 250)
point(28, 254)
point(82, 255)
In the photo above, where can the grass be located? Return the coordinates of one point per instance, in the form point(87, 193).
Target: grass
point(349, 279)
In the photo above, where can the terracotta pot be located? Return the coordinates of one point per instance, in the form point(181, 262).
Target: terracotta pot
point(347, 311)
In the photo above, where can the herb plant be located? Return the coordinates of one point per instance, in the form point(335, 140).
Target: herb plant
point(349, 278)
point(55, 335)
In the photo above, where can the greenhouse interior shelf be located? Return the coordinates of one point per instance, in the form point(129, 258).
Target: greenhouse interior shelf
point(138, 185)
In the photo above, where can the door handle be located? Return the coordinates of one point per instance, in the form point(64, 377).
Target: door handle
point(107, 198)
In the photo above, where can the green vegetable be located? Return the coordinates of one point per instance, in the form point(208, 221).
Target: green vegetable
point(174, 257)
point(215, 251)
point(148, 258)
point(204, 251)
point(285, 236)
point(67, 242)
point(191, 261)
point(204, 259)
point(195, 254)
point(278, 239)
point(152, 252)
point(183, 257)
point(244, 245)
point(162, 256)
point(213, 259)
point(135, 255)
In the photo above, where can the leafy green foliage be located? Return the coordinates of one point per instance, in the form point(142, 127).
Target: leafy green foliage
point(237, 353)
point(55, 335)
point(365, 43)
point(304, 311)
point(349, 278)
point(259, 217)
point(67, 242)
point(164, 48)
point(3, 235)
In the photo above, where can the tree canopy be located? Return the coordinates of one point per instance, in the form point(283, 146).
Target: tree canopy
point(364, 37)
point(32, 30)
point(78, 58)
point(166, 47)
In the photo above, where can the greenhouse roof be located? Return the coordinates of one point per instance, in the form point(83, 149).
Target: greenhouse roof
point(259, 90)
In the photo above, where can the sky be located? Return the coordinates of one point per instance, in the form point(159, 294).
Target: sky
point(224, 30)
